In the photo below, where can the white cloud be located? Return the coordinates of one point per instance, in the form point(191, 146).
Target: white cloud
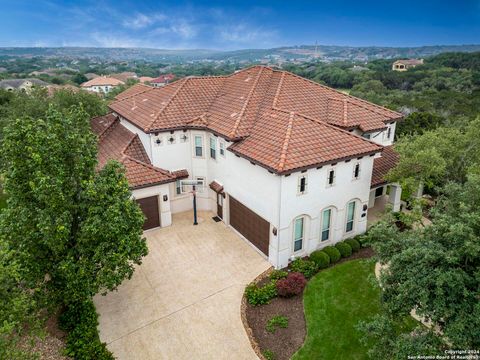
point(178, 27)
point(116, 41)
point(140, 21)
point(245, 34)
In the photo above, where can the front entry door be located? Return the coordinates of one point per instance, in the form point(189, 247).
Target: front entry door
point(220, 205)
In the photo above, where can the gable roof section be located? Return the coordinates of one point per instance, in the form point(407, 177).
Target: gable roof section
point(383, 164)
point(102, 81)
point(303, 143)
point(252, 107)
point(115, 142)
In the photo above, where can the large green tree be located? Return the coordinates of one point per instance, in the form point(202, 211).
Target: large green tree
point(436, 271)
point(437, 157)
point(76, 231)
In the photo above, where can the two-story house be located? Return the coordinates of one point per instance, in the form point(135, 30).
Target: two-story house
point(101, 84)
point(289, 164)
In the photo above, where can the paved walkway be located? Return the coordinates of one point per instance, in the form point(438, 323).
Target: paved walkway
point(183, 302)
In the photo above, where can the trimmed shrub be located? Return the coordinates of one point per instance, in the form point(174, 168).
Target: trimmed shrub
point(332, 253)
point(292, 285)
point(354, 244)
point(320, 258)
point(80, 320)
point(278, 274)
point(344, 248)
point(307, 267)
point(260, 295)
point(363, 239)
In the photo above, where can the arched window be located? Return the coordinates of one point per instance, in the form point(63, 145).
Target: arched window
point(326, 224)
point(350, 221)
point(298, 233)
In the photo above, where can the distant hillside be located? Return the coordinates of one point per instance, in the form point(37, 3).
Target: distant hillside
point(326, 52)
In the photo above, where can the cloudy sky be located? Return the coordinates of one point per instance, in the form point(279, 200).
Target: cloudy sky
point(237, 24)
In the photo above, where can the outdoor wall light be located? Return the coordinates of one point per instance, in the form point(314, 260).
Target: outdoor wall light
point(184, 137)
point(165, 197)
point(172, 139)
point(158, 141)
point(274, 231)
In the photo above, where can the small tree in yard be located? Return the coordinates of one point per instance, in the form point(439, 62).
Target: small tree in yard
point(76, 232)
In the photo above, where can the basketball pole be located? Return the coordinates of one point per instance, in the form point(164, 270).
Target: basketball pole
point(194, 206)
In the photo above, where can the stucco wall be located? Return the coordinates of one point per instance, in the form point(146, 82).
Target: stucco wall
point(274, 198)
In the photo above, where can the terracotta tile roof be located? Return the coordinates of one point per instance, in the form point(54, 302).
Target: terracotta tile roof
point(102, 81)
point(254, 106)
point(101, 123)
point(287, 142)
point(409, 61)
point(215, 186)
point(133, 90)
point(180, 174)
point(115, 142)
point(144, 79)
point(383, 164)
point(163, 78)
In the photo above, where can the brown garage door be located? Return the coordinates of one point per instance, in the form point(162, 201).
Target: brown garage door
point(250, 225)
point(149, 207)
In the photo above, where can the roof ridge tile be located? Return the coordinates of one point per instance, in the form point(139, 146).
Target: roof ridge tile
point(286, 141)
point(247, 100)
point(177, 90)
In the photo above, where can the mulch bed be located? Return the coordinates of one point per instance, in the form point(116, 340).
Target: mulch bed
point(284, 342)
point(52, 345)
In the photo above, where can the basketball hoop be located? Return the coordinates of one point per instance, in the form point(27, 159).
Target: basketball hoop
point(195, 186)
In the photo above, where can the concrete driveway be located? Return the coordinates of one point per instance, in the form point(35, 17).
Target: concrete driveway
point(183, 302)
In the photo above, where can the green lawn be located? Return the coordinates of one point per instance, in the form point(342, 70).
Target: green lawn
point(335, 300)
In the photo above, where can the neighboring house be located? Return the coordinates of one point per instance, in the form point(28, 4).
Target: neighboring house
point(101, 84)
point(52, 89)
point(145, 79)
point(91, 76)
point(124, 76)
point(404, 65)
point(290, 164)
point(21, 84)
point(162, 80)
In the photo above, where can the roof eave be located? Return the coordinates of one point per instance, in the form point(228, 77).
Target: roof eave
point(306, 167)
point(152, 184)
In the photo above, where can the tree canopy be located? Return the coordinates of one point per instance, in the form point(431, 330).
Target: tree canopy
point(74, 231)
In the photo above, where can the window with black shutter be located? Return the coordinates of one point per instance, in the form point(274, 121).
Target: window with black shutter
point(331, 177)
point(356, 172)
point(302, 184)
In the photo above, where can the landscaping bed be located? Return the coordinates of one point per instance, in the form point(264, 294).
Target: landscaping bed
point(274, 304)
point(284, 342)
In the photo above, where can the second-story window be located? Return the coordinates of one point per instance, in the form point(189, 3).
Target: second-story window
point(356, 171)
point(198, 146)
point(331, 177)
point(302, 185)
point(213, 148)
point(222, 148)
point(389, 132)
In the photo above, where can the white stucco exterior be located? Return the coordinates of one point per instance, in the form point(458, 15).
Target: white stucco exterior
point(273, 197)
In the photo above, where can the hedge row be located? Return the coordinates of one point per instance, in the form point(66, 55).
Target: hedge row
point(80, 320)
point(283, 283)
